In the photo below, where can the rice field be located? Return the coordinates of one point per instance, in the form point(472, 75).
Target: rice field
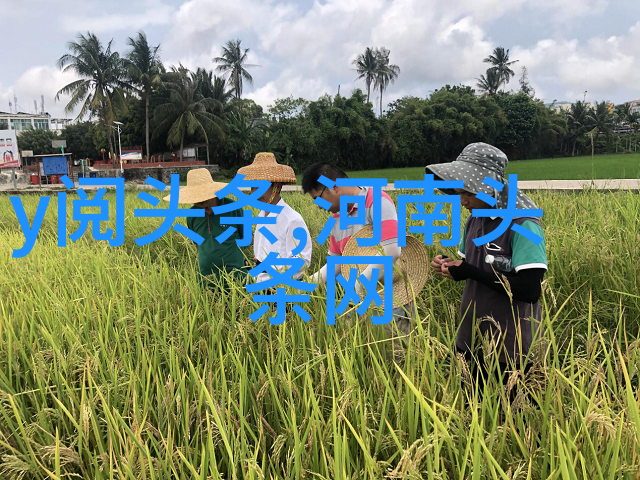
point(114, 364)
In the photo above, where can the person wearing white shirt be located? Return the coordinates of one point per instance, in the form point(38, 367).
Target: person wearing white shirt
point(265, 167)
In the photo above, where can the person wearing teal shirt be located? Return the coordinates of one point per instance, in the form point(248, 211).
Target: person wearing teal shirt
point(214, 258)
point(503, 278)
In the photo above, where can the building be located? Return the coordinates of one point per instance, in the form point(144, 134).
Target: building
point(24, 121)
point(561, 106)
point(634, 106)
point(58, 124)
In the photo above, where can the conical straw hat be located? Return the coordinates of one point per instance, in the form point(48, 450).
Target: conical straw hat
point(410, 272)
point(265, 167)
point(200, 187)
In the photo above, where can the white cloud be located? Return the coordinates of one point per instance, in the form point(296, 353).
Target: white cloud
point(37, 81)
point(308, 52)
point(296, 86)
point(156, 13)
point(605, 67)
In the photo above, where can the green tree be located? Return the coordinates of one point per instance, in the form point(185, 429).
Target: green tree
point(145, 70)
point(233, 62)
point(438, 128)
point(187, 111)
point(39, 141)
point(525, 86)
point(287, 108)
point(243, 132)
point(367, 67)
point(212, 86)
point(501, 63)
point(386, 73)
point(522, 124)
point(491, 83)
point(103, 82)
point(551, 132)
point(80, 140)
point(603, 121)
point(579, 122)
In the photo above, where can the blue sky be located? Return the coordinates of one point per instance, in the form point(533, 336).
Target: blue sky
point(305, 48)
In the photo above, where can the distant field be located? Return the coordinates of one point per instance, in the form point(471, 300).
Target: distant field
point(562, 168)
point(566, 168)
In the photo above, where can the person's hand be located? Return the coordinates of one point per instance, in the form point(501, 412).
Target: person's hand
point(448, 263)
point(437, 262)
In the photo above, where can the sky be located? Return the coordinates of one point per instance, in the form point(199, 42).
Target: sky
point(305, 48)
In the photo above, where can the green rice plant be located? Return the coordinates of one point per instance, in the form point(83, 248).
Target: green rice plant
point(115, 363)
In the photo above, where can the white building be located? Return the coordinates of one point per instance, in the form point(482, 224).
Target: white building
point(24, 121)
point(634, 106)
point(59, 123)
point(562, 106)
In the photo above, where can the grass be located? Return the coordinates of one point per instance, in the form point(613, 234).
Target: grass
point(115, 364)
point(568, 168)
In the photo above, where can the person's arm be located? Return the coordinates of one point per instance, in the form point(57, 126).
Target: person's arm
point(524, 285)
point(320, 276)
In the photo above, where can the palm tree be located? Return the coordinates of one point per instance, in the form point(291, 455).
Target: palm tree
point(145, 70)
point(102, 85)
point(232, 62)
point(219, 91)
point(243, 132)
point(367, 67)
point(187, 111)
point(500, 61)
point(602, 120)
point(579, 122)
point(386, 73)
point(491, 83)
point(212, 86)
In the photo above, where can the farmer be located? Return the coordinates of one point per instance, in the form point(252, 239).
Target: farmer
point(265, 167)
point(500, 298)
point(402, 314)
point(213, 258)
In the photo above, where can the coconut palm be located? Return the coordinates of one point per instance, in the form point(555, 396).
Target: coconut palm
point(232, 61)
point(212, 86)
point(603, 121)
point(102, 85)
point(579, 122)
point(187, 111)
point(145, 70)
point(243, 134)
point(491, 83)
point(500, 61)
point(386, 73)
point(367, 67)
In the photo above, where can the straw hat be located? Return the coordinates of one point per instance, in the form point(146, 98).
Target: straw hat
point(200, 187)
point(265, 167)
point(410, 271)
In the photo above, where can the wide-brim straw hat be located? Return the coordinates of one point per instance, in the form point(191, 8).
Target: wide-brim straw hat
point(265, 167)
point(410, 272)
point(200, 187)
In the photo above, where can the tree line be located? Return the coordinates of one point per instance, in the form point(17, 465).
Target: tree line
point(174, 107)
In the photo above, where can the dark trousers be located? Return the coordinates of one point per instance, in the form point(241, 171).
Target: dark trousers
point(481, 369)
